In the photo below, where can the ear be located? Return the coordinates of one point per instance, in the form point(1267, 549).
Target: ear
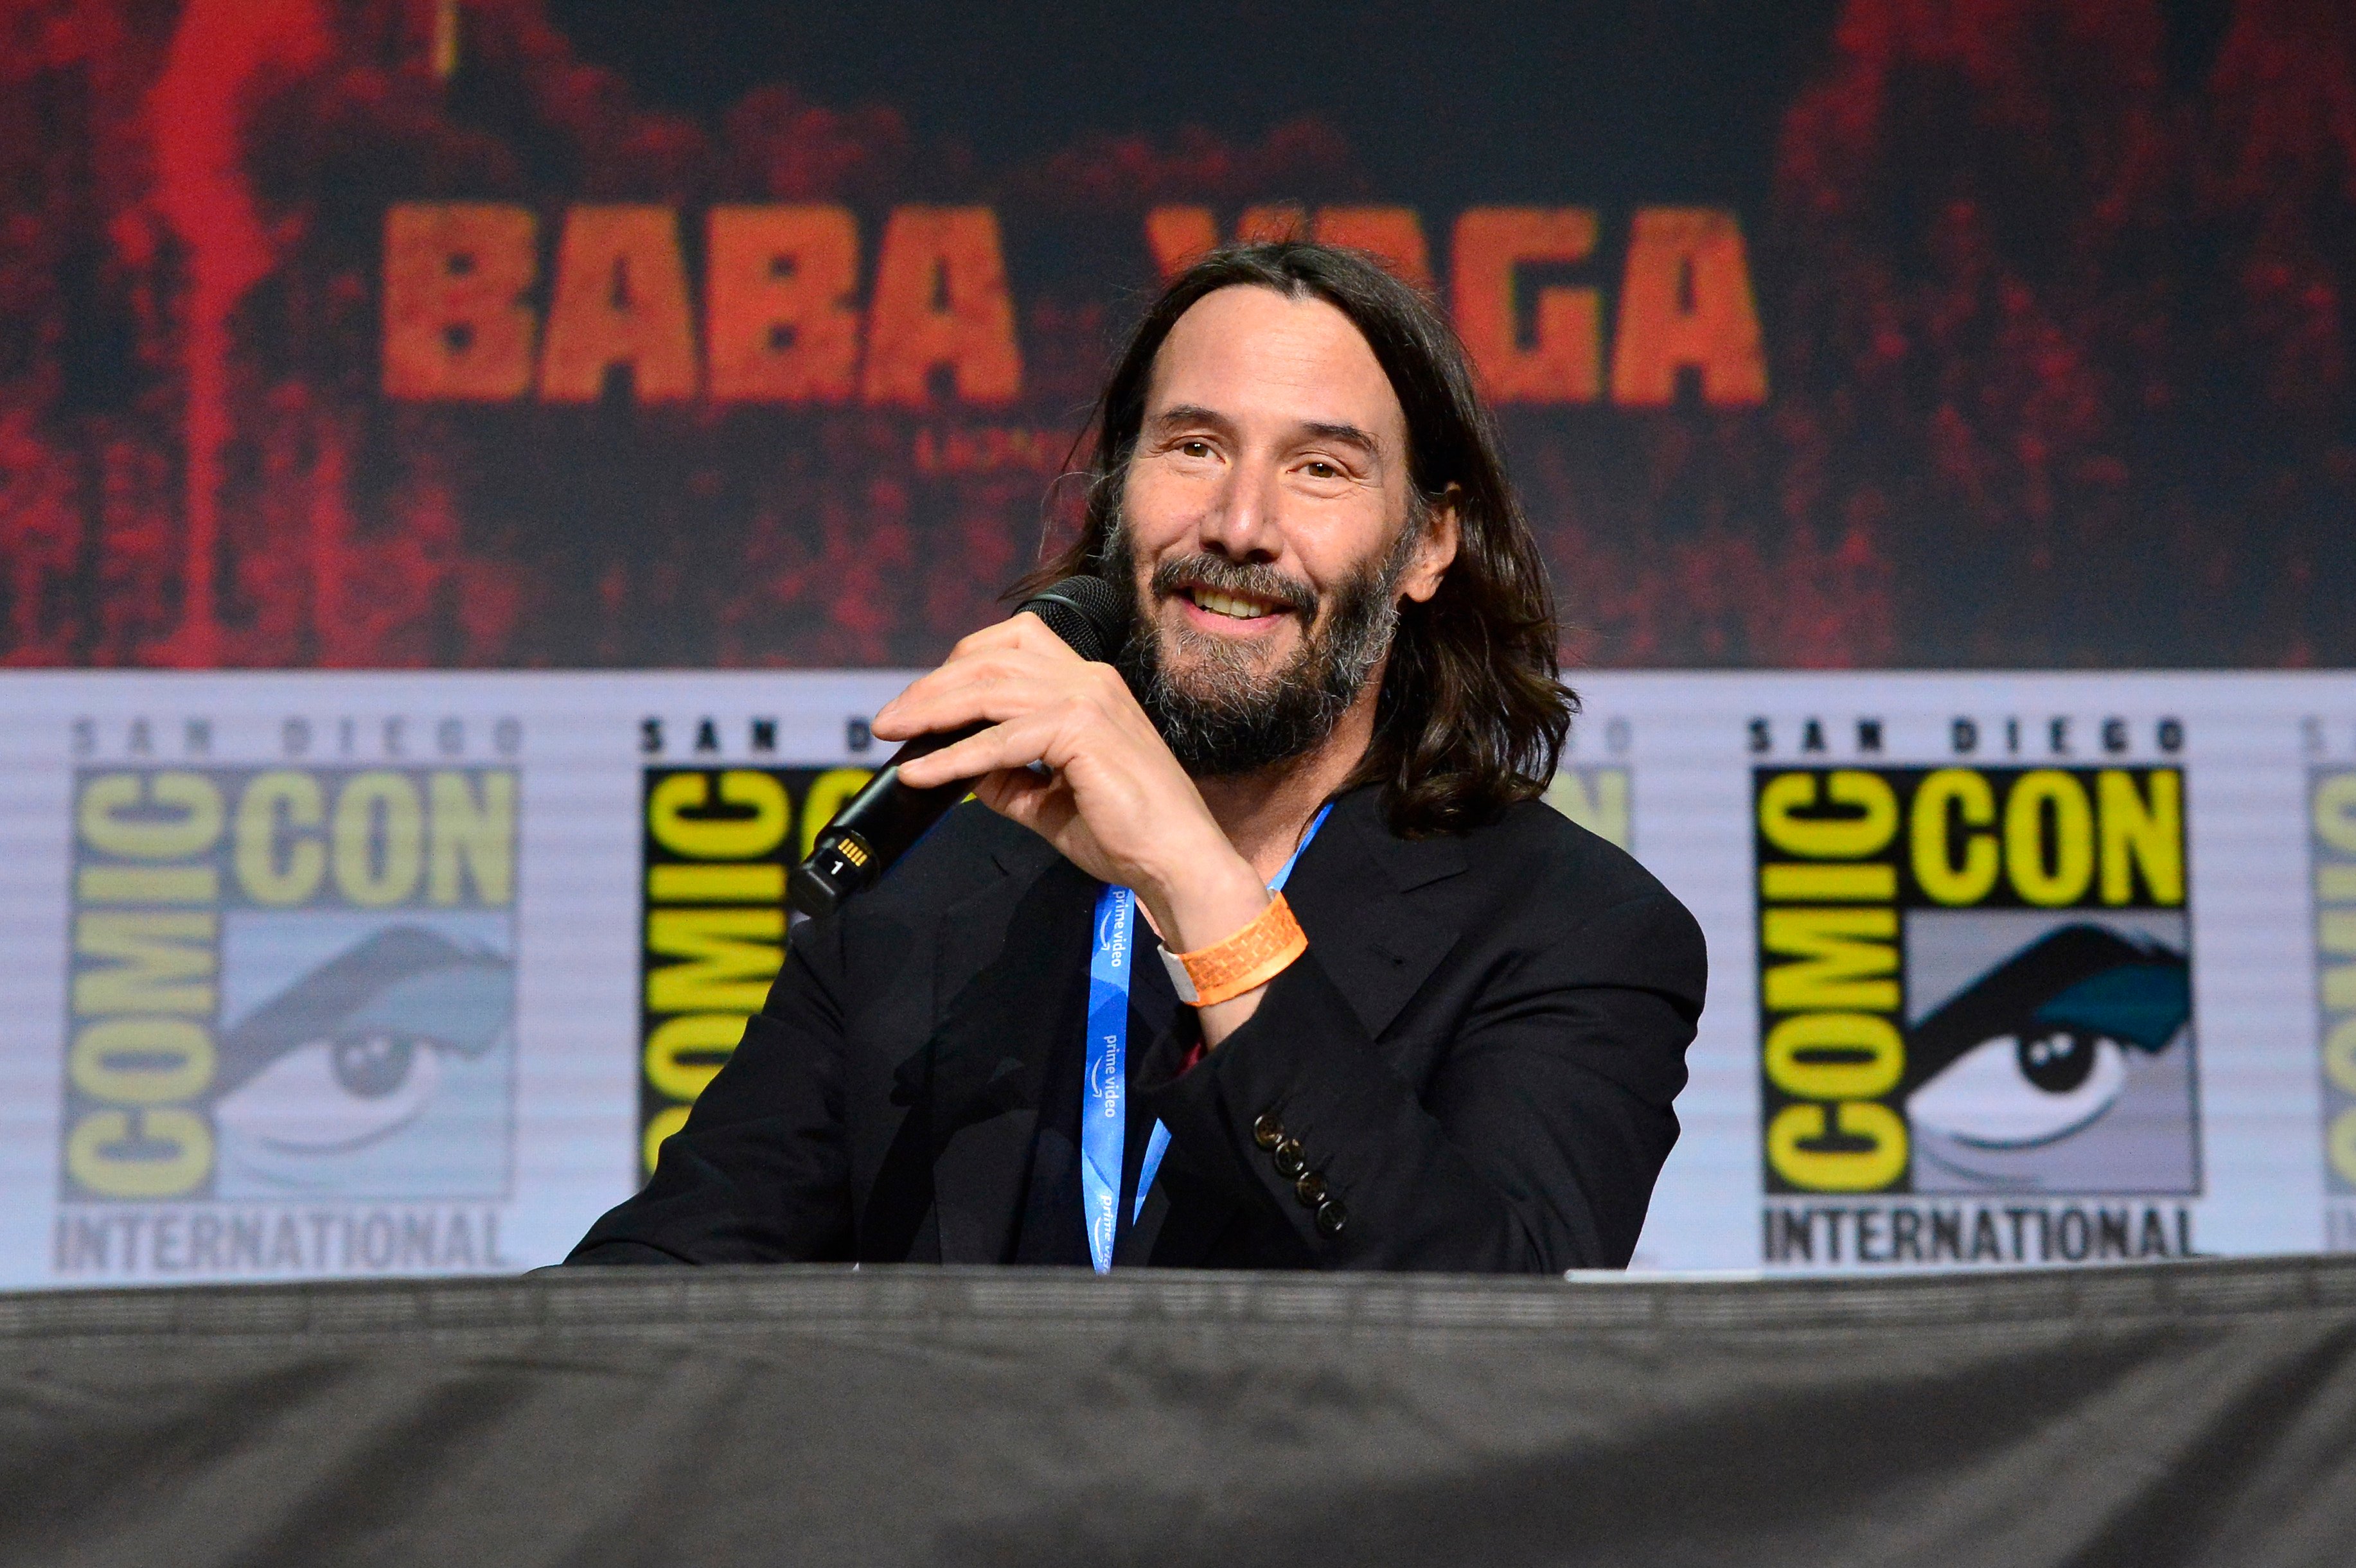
point(1435, 552)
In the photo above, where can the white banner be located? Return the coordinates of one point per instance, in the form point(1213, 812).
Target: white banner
point(314, 975)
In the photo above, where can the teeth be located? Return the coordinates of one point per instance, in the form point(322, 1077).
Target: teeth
point(1227, 604)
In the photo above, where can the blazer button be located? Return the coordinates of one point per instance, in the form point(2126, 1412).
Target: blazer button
point(1331, 1217)
point(1289, 1161)
point(1267, 1131)
point(1311, 1189)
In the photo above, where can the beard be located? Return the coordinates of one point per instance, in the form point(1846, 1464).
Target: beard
point(1217, 708)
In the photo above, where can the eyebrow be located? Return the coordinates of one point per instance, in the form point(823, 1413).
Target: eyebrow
point(1344, 435)
point(1180, 415)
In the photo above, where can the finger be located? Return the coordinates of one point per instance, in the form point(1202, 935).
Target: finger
point(885, 723)
point(986, 687)
point(1019, 795)
point(1028, 799)
point(1025, 632)
point(965, 699)
point(1015, 743)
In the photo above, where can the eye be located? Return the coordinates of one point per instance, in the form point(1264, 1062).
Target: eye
point(333, 1096)
point(1193, 446)
point(2019, 1091)
point(1318, 468)
point(371, 1066)
point(2059, 1061)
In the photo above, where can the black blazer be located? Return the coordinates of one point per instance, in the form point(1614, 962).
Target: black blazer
point(1478, 1053)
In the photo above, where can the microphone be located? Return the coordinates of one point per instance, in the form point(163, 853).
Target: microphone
point(876, 827)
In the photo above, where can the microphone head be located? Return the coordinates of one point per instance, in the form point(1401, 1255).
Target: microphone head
point(1086, 612)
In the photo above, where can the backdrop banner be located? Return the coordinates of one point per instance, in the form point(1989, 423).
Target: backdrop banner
point(316, 974)
point(684, 332)
point(2173, 1413)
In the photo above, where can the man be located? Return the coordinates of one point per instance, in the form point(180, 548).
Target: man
point(1449, 1042)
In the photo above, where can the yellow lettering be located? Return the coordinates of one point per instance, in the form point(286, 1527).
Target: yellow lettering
point(292, 799)
point(179, 816)
point(2343, 1144)
point(1835, 1056)
point(472, 838)
point(660, 1125)
point(147, 1153)
point(730, 955)
point(1596, 800)
point(827, 793)
point(1867, 796)
point(686, 1053)
point(1806, 881)
point(719, 837)
point(1795, 1137)
point(163, 963)
point(379, 839)
point(2340, 1056)
point(2047, 796)
point(752, 883)
point(2335, 812)
point(1946, 797)
point(147, 885)
point(1840, 953)
point(2143, 834)
point(142, 1061)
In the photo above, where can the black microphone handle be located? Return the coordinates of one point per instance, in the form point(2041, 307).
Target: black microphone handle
point(876, 826)
point(879, 824)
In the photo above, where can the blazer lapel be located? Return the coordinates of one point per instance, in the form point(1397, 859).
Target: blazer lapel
point(1365, 902)
point(1013, 968)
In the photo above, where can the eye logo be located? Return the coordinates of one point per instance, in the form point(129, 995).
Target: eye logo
point(363, 1057)
point(2043, 1066)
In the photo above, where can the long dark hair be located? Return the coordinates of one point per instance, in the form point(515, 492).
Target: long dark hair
point(1472, 715)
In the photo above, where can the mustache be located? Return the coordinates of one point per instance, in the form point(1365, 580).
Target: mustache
point(1217, 572)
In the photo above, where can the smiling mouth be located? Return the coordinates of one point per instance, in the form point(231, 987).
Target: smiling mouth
point(1235, 606)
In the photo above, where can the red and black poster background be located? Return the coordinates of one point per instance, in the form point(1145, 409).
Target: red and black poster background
point(617, 332)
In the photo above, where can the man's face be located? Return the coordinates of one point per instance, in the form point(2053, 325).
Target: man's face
point(1265, 522)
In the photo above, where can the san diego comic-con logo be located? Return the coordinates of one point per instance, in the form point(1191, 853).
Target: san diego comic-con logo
point(290, 984)
point(2332, 823)
point(719, 844)
point(1975, 985)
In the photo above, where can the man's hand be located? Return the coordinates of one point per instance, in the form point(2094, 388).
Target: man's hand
point(1112, 798)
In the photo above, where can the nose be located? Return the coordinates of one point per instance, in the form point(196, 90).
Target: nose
point(1243, 525)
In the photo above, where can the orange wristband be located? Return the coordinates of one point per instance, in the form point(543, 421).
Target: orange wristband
point(1250, 958)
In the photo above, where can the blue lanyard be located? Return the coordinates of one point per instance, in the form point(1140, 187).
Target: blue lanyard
point(1103, 1106)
